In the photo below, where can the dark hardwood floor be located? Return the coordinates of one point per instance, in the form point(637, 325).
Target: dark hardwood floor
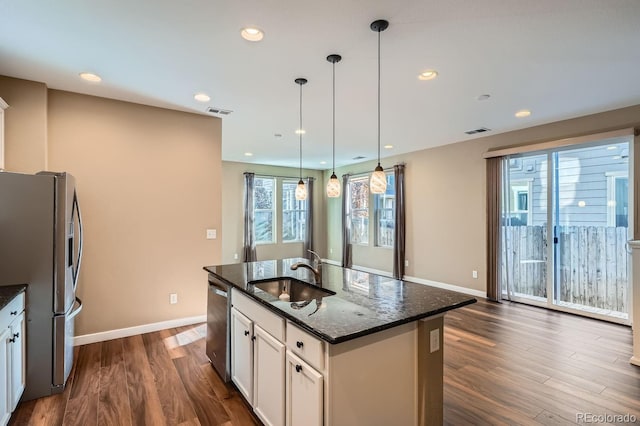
point(504, 364)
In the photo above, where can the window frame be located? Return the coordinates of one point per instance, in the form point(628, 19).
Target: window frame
point(352, 210)
point(377, 200)
point(273, 210)
point(303, 211)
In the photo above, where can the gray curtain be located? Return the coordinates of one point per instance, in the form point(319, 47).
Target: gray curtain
point(347, 261)
point(308, 239)
point(399, 231)
point(249, 244)
point(494, 184)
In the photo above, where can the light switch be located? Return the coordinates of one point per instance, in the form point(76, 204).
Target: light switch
point(211, 234)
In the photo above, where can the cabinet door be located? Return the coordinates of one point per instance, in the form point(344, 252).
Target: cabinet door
point(242, 353)
point(269, 362)
point(5, 375)
point(304, 393)
point(17, 339)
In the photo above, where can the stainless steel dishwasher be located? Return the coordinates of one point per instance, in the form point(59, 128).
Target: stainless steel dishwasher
point(218, 317)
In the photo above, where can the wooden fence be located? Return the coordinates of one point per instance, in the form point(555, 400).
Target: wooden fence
point(592, 262)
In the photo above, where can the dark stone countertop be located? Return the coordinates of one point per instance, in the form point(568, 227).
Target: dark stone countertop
point(9, 292)
point(364, 303)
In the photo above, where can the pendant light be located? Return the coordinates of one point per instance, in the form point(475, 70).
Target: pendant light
point(378, 182)
point(333, 186)
point(301, 190)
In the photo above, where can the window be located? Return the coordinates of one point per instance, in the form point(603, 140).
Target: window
point(263, 208)
point(359, 194)
point(520, 202)
point(385, 214)
point(294, 213)
point(617, 199)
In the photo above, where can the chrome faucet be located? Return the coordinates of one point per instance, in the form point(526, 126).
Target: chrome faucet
point(316, 269)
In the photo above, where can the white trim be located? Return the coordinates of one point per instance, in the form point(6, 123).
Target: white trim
point(135, 330)
point(459, 289)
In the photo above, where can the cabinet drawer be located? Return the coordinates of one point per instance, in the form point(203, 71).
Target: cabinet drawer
point(10, 312)
point(266, 319)
point(308, 347)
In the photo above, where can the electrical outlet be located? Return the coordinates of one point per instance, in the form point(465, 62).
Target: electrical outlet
point(235, 256)
point(173, 298)
point(434, 340)
point(474, 274)
point(330, 251)
point(212, 234)
point(406, 262)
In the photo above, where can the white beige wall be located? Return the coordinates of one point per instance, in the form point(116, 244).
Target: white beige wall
point(446, 206)
point(232, 212)
point(149, 182)
point(25, 124)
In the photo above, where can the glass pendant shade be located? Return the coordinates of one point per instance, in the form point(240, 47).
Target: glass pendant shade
point(333, 187)
point(301, 191)
point(378, 182)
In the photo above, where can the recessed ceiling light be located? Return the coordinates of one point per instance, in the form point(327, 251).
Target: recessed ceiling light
point(300, 132)
point(523, 113)
point(428, 75)
point(88, 76)
point(248, 154)
point(581, 203)
point(201, 97)
point(484, 97)
point(612, 147)
point(617, 157)
point(252, 34)
point(388, 146)
point(323, 162)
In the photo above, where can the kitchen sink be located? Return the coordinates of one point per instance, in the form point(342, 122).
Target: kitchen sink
point(297, 291)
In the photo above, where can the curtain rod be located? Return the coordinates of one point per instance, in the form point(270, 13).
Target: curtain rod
point(387, 169)
point(296, 178)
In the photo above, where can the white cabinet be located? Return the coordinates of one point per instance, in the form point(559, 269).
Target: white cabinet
point(18, 370)
point(268, 377)
point(5, 375)
point(12, 356)
point(242, 353)
point(304, 393)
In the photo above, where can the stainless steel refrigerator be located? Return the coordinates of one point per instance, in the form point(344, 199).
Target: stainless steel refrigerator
point(41, 245)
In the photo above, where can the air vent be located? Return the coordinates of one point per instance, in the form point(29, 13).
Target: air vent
point(219, 111)
point(478, 130)
point(359, 157)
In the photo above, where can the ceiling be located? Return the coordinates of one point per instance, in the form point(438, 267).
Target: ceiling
point(558, 59)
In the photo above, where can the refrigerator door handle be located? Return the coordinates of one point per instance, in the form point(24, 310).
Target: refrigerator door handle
point(76, 208)
point(77, 310)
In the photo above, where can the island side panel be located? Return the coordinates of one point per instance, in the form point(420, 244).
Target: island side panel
point(430, 371)
point(372, 379)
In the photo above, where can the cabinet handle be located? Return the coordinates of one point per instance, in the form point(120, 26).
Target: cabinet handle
point(246, 332)
point(13, 312)
point(253, 338)
point(298, 368)
point(299, 344)
point(16, 335)
point(12, 340)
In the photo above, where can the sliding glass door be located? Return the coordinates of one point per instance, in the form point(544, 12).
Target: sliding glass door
point(564, 229)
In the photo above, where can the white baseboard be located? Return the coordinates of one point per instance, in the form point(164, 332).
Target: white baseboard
point(138, 329)
point(451, 287)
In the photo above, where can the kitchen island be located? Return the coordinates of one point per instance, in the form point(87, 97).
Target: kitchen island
point(371, 345)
